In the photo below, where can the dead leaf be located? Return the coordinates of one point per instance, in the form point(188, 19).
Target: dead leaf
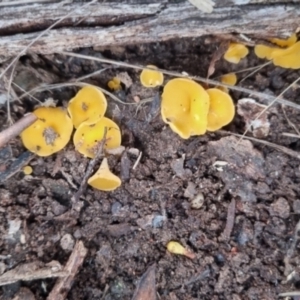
point(146, 289)
point(218, 54)
point(203, 5)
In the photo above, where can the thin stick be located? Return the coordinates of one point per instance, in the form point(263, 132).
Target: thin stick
point(196, 78)
point(64, 284)
point(90, 168)
point(274, 146)
point(256, 70)
point(27, 93)
point(70, 84)
point(230, 220)
point(266, 108)
point(7, 134)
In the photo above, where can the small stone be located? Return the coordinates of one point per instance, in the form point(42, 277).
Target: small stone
point(67, 242)
point(296, 206)
point(134, 152)
point(190, 190)
point(116, 207)
point(280, 208)
point(198, 201)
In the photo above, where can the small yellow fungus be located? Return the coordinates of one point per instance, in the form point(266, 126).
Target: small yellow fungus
point(286, 58)
point(87, 137)
point(263, 51)
point(27, 170)
point(50, 133)
point(229, 79)
point(176, 248)
point(104, 179)
point(235, 53)
point(151, 78)
point(285, 43)
point(221, 109)
point(89, 105)
point(184, 107)
point(115, 84)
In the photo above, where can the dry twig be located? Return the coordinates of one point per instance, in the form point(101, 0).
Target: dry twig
point(63, 285)
point(90, 169)
point(14, 130)
point(196, 78)
point(230, 220)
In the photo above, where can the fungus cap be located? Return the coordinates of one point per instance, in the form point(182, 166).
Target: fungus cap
point(263, 51)
point(285, 42)
point(104, 179)
point(151, 78)
point(286, 58)
point(114, 84)
point(88, 136)
point(89, 105)
point(229, 79)
point(235, 53)
point(27, 170)
point(50, 133)
point(185, 106)
point(221, 109)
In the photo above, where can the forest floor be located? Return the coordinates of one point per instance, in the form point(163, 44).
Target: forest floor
point(236, 207)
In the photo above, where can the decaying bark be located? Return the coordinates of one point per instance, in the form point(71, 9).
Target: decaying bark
point(108, 24)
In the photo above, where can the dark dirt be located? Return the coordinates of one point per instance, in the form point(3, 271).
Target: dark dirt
point(242, 227)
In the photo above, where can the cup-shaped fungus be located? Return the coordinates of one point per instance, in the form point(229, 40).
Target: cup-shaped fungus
point(184, 107)
point(87, 136)
point(89, 105)
point(221, 109)
point(286, 58)
point(50, 133)
point(235, 53)
point(151, 78)
point(104, 179)
point(285, 43)
point(114, 84)
point(229, 79)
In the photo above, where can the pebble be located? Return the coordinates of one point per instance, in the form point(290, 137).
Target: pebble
point(67, 242)
point(198, 201)
point(280, 208)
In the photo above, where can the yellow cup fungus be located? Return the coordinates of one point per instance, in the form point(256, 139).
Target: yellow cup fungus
point(114, 84)
point(104, 179)
point(221, 109)
point(88, 136)
point(151, 78)
point(235, 53)
point(288, 57)
point(176, 248)
point(50, 133)
point(27, 170)
point(89, 105)
point(229, 79)
point(185, 106)
point(285, 43)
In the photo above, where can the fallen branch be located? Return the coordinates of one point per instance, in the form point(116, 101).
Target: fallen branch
point(63, 285)
point(7, 134)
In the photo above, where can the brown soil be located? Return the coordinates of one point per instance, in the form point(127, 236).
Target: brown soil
point(243, 232)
